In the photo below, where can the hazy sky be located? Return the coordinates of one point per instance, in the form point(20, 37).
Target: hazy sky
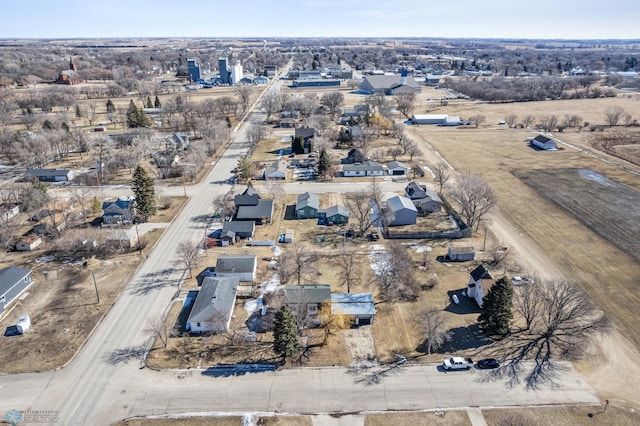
point(575, 19)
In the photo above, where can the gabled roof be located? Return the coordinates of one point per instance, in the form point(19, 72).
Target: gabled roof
point(480, 273)
point(416, 191)
point(238, 226)
point(276, 166)
point(264, 209)
point(433, 195)
point(542, 139)
point(369, 166)
point(334, 210)
point(396, 165)
point(461, 250)
point(122, 204)
point(304, 132)
point(236, 264)
point(352, 304)
point(215, 300)
point(10, 276)
point(398, 203)
point(313, 293)
point(248, 198)
point(47, 172)
point(308, 200)
point(385, 82)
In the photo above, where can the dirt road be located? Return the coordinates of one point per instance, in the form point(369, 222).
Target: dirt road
point(612, 367)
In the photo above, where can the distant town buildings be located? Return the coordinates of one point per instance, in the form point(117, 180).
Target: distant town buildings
point(223, 64)
point(194, 70)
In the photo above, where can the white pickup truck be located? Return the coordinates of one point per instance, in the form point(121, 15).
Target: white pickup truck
point(457, 363)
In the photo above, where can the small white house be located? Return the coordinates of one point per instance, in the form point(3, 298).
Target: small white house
point(396, 168)
point(213, 308)
point(276, 170)
point(243, 266)
point(28, 243)
point(24, 324)
point(480, 281)
point(368, 168)
point(544, 142)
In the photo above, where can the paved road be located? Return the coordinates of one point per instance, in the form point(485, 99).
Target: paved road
point(104, 382)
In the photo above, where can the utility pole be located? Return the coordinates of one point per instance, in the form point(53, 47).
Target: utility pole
point(95, 285)
point(138, 238)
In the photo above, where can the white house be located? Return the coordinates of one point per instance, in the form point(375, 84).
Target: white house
point(213, 308)
point(401, 211)
point(480, 281)
point(14, 280)
point(357, 306)
point(275, 170)
point(243, 267)
point(368, 168)
point(8, 212)
point(396, 168)
point(544, 142)
point(29, 242)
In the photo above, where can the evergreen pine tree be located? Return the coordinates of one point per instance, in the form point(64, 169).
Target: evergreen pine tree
point(149, 104)
point(297, 146)
point(64, 126)
point(144, 193)
point(157, 103)
point(285, 333)
point(110, 106)
point(324, 162)
point(78, 112)
point(132, 115)
point(495, 315)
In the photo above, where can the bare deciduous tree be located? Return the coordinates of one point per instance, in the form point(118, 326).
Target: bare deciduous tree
point(433, 324)
point(255, 133)
point(478, 119)
point(359, 205)
point(332, 101)
point(188, 255)
point(475, 198)
point(395, 274)
point(156, 326)
point(564, 324)
point(441, 175)
point(296, 262)
point(511, 120)
point(527, 304)
point(613, 115)
point(548, 122)
point(405, 103)
point(348, 267)
point(528, 120)
point(244, 93)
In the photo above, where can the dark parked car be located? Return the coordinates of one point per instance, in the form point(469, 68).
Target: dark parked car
point(488, 363)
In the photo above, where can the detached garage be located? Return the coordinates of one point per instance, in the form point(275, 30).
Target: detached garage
point(357, 306)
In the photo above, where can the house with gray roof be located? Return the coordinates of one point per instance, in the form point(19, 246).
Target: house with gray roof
point(357, 306)
point(242, 267)
point(50, 175)
point(368, 168)
point(425, 200)
point(396, 168)
point(259, 213)
point(275, 170)
point(240, 228)
point(307, 298)
point(248, 198)
point(213, 308)
point(337, 215)
point(544, 142)
point(480, 281)
point(307, 206)
point(401, 211)
point(393, 84)
point(306, 134)
point(118, 212)
point(14, 281)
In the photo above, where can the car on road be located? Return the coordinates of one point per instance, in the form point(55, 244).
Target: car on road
point(488, 363)
point(457, 363)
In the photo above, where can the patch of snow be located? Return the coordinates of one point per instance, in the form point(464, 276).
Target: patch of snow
point(45, 259)
point(420, 248)
point(269, 286)
point(595, 177)
point(377, 260)
point(277, 251)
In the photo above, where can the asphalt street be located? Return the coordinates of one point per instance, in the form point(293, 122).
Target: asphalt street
point(105, 382)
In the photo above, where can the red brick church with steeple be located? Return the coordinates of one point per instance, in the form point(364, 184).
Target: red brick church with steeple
point(70, 76)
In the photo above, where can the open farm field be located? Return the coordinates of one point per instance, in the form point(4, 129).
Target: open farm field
point(606, 273)
point(601, 204)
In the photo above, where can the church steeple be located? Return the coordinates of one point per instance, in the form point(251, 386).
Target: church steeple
point(72, 66)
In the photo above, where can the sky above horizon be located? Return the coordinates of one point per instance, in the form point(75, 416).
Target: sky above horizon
point(542, 19)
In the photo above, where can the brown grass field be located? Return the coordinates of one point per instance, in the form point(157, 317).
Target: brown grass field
point(567, 416)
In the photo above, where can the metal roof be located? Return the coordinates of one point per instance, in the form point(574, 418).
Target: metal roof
point(352, 304)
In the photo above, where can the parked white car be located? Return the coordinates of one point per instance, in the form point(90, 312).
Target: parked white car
point(457, 363)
